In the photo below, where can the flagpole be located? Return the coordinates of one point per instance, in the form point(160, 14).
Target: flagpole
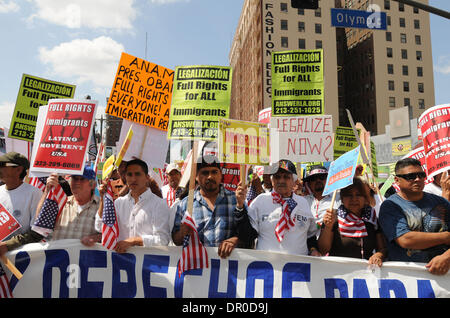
point(11, 267)
point(192, 178)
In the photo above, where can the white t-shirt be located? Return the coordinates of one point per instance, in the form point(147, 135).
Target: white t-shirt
point(318, 208)
point(264, 215)
point(148, 219)
point(21, 203)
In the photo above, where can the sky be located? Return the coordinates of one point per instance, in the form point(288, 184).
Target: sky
point(80, 41)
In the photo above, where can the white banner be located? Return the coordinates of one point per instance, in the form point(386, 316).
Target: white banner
point(68, 269)
point(301, 138)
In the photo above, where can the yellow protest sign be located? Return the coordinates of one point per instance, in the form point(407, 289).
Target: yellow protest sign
point(142, 92)
point(108, 167)
point(125, 146)
point(243, 142)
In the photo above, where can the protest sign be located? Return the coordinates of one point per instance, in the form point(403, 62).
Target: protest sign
point(63, 142)
point(302, 138)
point(68, 269)
point(435, 126)
point(264, 115)
point(34, 92)
point(148, 144)
point(8, 223)
point(297, 83)
point(141, 92)
point(243, 142)
point(344, 140)
point(342, 171)
point(201, 96)
point(401, 147)
point(231, 175)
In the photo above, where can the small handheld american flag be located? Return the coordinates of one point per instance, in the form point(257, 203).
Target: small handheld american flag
point(351, 225)
point(110, 229)
point(5, 289)
point(193, 254)
point(39, 182)
point(52, 207)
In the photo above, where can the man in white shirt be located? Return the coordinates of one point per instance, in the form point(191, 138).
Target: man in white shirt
point(172, 191)
point(18, 198)
point(142, 216)
point(268, 211)
point(315, 183)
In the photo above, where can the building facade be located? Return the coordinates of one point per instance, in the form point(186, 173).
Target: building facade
point(366, 71)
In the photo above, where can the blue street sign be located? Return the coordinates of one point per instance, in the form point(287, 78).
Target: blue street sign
point(346, 18)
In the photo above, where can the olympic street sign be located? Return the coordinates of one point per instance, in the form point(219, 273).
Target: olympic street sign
point(346, 18)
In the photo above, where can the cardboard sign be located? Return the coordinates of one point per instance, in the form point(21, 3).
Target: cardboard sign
point(243, 142)
point(64, 141)
point(142, 92)
point(435, 126)
point(342, 171)
point(34, 92)
point(297, 83)
point(301, 139)
point(8, 224)
point(201, 96)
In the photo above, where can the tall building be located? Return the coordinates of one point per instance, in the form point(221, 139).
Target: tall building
point(367, 71)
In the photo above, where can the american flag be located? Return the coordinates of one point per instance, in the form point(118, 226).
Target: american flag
point(39, 182)
point(350, 225)
point(5, 289)
point(110, 229)
point(171, 197)
point(52, 207)
point(193, 254)
point(251, 194)
point(285, 222)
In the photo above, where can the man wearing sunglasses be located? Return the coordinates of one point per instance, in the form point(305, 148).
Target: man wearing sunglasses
point(315, 181)
point(416, 223)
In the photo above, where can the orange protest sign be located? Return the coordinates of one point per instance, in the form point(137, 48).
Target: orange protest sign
point(142, 92)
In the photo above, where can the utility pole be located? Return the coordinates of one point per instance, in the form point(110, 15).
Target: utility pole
point(425, 7)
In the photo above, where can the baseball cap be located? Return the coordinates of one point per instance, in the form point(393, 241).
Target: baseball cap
point(315, 171)
point(14, 159)
point(284, 164)
point(172, 166)
point(88, 173)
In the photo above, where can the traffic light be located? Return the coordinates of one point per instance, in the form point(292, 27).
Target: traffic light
point(305, 4)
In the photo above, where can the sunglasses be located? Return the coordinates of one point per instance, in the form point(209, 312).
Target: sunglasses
point(412, 176)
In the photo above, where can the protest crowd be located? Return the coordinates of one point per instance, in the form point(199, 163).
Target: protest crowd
point(279, 206)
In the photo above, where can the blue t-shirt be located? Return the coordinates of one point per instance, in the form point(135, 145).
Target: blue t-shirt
point(399, 216)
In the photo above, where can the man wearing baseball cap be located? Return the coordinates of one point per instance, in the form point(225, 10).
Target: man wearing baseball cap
point(77, 218)
point(281, 221)
point(19, 198)
point(315, 180)
point(172, 191)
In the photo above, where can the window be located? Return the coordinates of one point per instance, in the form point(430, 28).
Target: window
point(387, 4)
point(389, 52)
point(389, 36)
point(391, 86)
point(419, 71)
point(401, 7)
point(404, 54)
point(405, 70)
point(418, 40)
point(301, 44)
point(318, 12)
point(390, 68)
point(402, 23)
point(416, 24)
point(402, 37)
point(318, 28)
point(406, 86)
point(406, 101)
point(301, 12)
point(284, 41)
point(284, 24)
point(419, 55)
point(283, 7)
point(388, 20)
point(301, 26)
point(391, 101)
point(415, 10)
point(420, 87)
point(421, 103)
point(318, 44)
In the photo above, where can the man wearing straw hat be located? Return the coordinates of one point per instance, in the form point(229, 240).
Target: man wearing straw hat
point(213, 209)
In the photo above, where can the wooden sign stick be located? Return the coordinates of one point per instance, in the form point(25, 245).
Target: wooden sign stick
point(11, 267)
point(194, 157)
